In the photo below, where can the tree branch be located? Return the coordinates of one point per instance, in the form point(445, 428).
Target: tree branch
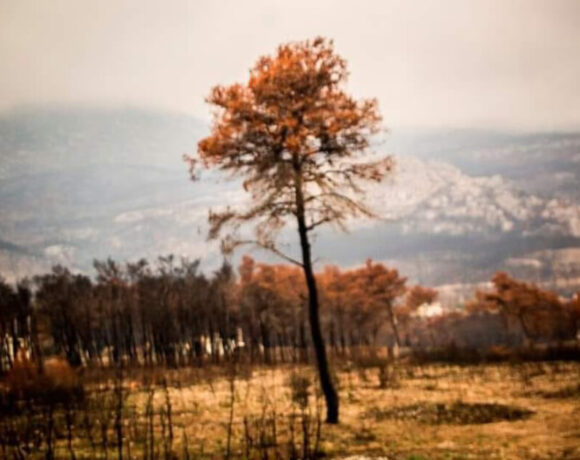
point(273, 249)
point(313, 225)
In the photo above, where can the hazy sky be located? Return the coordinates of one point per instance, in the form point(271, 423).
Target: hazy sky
point(504, 63)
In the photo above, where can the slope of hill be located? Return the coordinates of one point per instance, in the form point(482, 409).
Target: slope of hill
point(82, 184)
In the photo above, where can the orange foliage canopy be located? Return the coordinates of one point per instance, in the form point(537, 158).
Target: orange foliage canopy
point(291, 130)
point(365, 296)
point(380, 284)
point(419, 295)
point(274, 292)
point(539, 312)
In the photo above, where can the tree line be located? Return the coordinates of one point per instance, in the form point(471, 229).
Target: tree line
point(170, 313)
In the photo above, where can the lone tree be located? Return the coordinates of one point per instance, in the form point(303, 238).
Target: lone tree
point(300, 143)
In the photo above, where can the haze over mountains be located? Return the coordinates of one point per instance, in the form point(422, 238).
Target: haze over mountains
point(80, 184)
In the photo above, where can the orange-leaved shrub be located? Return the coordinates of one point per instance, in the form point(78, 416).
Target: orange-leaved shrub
point(53, 381)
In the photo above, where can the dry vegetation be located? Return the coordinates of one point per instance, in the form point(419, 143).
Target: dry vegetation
point(402, 411)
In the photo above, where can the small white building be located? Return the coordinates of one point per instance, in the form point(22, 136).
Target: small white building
point(429, 310)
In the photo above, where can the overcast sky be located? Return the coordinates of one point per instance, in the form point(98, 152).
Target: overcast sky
point(502, 64)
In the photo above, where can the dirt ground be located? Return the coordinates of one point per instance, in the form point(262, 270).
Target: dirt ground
point(523, 411)
point(402, 411)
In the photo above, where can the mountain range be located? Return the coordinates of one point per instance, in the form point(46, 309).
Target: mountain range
point(78, 184)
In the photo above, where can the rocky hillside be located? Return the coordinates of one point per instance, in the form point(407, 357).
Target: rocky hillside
point(82, 184)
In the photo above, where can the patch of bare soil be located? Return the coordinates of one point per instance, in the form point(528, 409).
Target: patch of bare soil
point(456, 413)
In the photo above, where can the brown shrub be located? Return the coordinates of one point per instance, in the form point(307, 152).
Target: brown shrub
point(54, 381)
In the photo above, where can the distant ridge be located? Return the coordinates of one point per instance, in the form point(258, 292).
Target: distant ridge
point(79, 184)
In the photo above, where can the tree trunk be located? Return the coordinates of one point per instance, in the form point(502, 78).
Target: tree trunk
point(393, 321)
point(330, 393)
point(264, 331)
point(303, 345)
point(527, 333)
point(342, 333)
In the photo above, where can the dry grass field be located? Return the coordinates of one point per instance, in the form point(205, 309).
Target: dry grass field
point(510, 411)
point(370, 427)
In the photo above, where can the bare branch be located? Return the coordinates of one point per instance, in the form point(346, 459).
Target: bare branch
point(274, 250)
point(319, 222)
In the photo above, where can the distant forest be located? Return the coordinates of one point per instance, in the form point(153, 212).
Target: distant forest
point(170, 313)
